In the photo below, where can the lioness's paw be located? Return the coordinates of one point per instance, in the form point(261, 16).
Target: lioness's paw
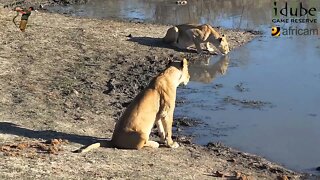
point(152, 144)
point(174, 145)
point(213, 53)
point(211, 50)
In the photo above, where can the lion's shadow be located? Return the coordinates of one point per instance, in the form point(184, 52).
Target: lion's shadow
point(11, 128)
point(157, 42)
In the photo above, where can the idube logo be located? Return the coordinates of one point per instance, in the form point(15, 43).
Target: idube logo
point(294, 15)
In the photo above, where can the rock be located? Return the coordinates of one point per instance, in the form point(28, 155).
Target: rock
point(185, 122)
point(245, 177)
point(219, 174)
point(184, 139)
point(231, 160)
point(22, 146)
point(237, 175)
point(283, 177)
point(182, 2)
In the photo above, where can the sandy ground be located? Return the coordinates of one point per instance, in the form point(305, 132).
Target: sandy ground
point(64, 83)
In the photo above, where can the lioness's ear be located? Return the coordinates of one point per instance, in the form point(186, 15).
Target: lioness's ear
point(224, 37)
point(184, 62)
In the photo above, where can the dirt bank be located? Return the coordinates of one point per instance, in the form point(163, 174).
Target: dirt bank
point(38, 4)
point(69, 79)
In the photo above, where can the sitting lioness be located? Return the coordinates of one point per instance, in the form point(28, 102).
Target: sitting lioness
point(154, 105)
point(185, 35)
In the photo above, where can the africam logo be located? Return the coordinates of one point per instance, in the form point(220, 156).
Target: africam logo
point(276, 31)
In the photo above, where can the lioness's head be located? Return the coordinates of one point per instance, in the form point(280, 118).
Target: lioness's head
point(183, 67)
point(223, 46)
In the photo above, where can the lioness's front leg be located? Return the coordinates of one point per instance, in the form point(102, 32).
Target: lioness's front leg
point(198, 47)
point(196, 36)
point(167, 106)
point(210, 49)
point(167, 125)
point(161, 132)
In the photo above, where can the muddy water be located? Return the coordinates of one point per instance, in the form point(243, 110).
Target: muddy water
point(263, 98)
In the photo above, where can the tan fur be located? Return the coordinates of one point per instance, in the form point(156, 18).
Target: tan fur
point(186, 35)
point(154, 105)
point(207, 73)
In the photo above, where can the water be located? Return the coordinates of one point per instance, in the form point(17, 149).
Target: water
point(262, 98)
point(226, 13)
point(286, 128)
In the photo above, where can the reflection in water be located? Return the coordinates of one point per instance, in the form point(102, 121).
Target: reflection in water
point(227, 13)
point(244, 14)
point(203, 72)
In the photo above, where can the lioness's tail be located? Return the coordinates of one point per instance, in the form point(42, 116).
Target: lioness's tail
point(94, 146)
point(172, 35)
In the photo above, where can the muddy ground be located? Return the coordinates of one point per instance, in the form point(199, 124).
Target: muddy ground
point(64, 83)
point(38, 4)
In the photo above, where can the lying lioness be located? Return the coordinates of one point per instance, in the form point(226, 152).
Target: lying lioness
point(154, 105)
point(185, 35)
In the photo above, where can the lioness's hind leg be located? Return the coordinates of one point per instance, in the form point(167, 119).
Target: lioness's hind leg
point(151, 144)
point(172, 35)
